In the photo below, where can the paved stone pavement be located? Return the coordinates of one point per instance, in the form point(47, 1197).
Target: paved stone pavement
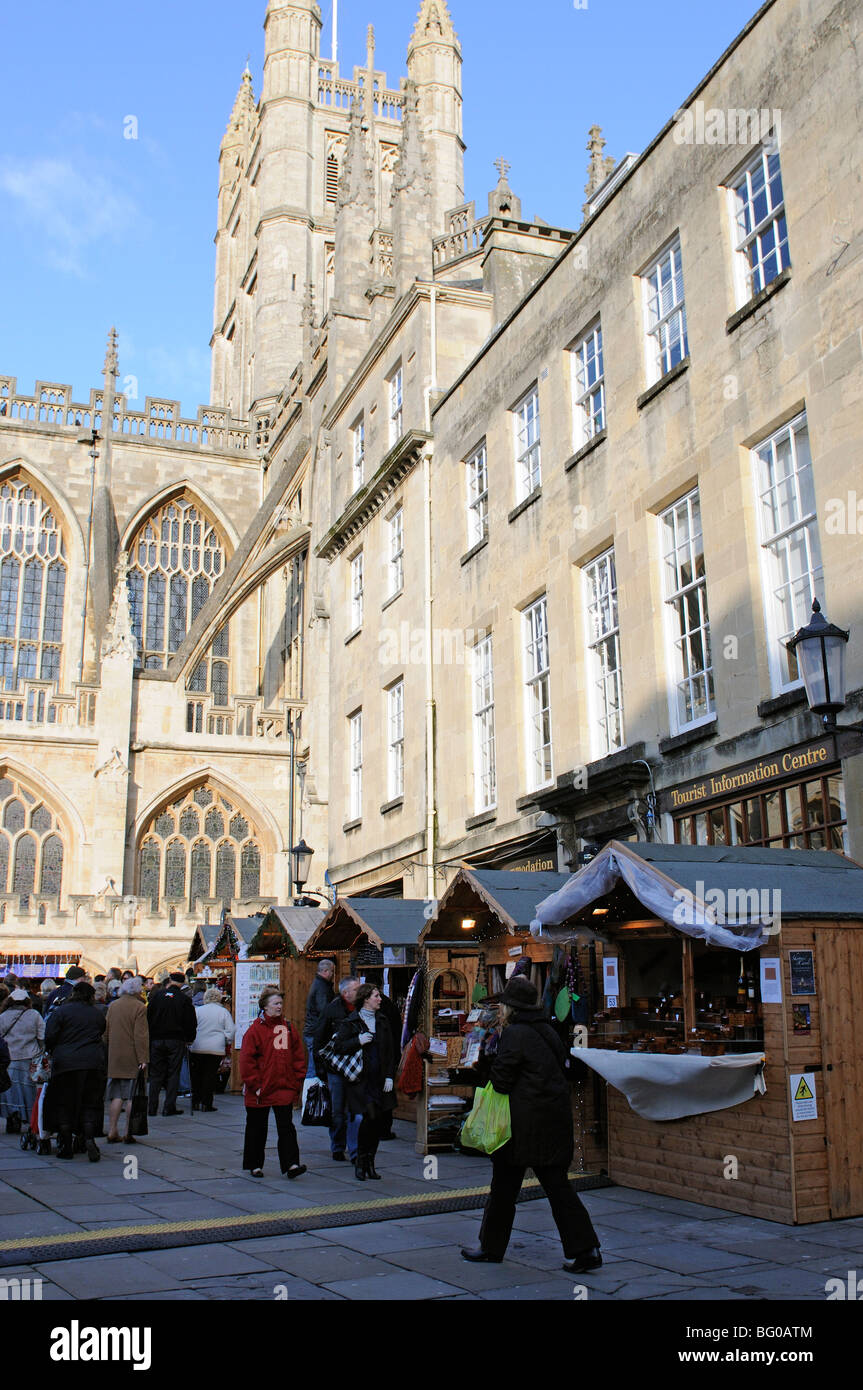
point(654, 1248)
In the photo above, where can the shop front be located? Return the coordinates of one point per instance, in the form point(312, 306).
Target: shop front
point(791, 799)
point(31, 968)
point(723, 1030)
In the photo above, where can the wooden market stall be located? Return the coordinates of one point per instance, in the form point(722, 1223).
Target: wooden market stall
point(376, 940)
point(480, 930)
point(248, 953)
point(711, 958)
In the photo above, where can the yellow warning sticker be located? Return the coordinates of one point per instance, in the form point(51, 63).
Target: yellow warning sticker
point(804, 1103)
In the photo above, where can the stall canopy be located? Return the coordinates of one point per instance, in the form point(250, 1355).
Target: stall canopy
point(510, 895)
point(291, 928)
point(733, 896)
point(391, 925)
point(234, 937)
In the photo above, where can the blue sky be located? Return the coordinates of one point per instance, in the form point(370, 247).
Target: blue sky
point(98, 229)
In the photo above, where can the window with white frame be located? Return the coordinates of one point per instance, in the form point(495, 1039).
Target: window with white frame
point(357, 592)
point(665, 312)
point(358, 451)
point(761, 232)
point(603, 645)
point(396, 392)
point(537, 694)
point(396, 741)
point(355, 746)
point(484, 761)
point(477, 496)
point(686, 608)
point(528, 461)
point(588, 376)
point(396, 565)
point(791, 548)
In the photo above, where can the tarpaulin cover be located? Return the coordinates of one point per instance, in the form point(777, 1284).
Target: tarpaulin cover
point(663, 1087)
point(654, 889)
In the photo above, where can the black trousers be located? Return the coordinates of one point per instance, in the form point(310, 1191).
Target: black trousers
point(371, 1128)
point(166, 1061)
point(569, 1212)
point(78, 1101)
point(257, 1124)
point(203, 1069)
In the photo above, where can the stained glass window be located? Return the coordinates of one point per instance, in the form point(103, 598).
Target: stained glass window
point(52, 865)
point(30, 855)
point(226, 872)
point(32, 586)
point(198, 866)
point(176, 558)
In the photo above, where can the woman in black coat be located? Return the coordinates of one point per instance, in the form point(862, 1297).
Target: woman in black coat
point(530, 1068)
point(73, 1036)
point(372, 1095)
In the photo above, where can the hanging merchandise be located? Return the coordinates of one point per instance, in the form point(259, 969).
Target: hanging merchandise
point(569, 997)
point(480, 989)
point(413, 1005)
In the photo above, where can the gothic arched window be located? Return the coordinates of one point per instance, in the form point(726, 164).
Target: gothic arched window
point(193, 853)
point(31, 844)
point(174, 561)
point(32, 586)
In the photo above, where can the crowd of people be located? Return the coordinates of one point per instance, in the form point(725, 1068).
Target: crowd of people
point(111, 1037)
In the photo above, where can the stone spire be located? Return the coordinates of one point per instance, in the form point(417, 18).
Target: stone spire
point(119, 638)
point(357, 183)
point(599, 166)
point(433, 21)
point(412, 204)
point(243, 114)
point(112, 364)
point(503, 202)
point(434, 64)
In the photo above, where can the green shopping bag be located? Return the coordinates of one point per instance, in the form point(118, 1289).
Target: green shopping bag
point(487, 1127)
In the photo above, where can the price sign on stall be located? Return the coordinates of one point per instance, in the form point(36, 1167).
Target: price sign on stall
point(611, 988)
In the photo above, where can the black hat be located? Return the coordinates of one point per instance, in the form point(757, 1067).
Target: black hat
point(177, 977)
point(520, 993)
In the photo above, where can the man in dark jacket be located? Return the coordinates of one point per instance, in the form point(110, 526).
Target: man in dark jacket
point(173, 1022)
point(530, 1069)
point(320, 995)
point(390, 1013)
point(73, 975)
point(344, 1128)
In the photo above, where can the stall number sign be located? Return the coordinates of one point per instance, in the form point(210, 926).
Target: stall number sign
point(804, 1104)
point(610, 981)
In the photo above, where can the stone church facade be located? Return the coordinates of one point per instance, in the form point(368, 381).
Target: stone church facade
point(489, 547)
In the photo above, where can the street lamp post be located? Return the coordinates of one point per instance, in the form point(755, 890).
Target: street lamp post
point(302, 855)
point(820, 652)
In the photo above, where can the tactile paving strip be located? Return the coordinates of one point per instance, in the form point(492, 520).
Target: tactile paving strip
point(169, 1235)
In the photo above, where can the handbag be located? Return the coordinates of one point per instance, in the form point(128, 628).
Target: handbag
point(5, 1080)
point(350, 1065)
point(136, 1123)
point(318, 1110)
point(41, 1068)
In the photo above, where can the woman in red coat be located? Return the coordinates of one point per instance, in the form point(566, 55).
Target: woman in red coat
point(273, 1067)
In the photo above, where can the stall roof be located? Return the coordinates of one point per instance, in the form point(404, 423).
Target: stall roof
point(299, 923)
point(732, 895)
point(241, 930)
point(386, 921)
point(511, 894)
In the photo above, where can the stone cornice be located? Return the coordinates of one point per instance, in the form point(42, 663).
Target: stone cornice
point(371, 498)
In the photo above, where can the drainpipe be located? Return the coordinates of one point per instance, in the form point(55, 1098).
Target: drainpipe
point(292, 739)
point(431, 781)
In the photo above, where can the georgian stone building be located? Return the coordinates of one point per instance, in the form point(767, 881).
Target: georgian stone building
point(490, 545)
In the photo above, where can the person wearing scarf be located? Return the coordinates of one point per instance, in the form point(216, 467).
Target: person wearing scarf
point(372, 1095)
